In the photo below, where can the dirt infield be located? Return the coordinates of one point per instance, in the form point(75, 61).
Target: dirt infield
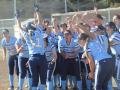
point(3, 75)
point(4, 82)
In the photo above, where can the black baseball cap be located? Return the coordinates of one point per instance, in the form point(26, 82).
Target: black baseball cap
point(63, 24)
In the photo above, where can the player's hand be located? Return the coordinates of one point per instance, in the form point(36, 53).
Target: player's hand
point(27, 64)
point(66, 57)
point(53, 61)
point(91, 75)
point(36, 8)
point(17, 15)
point(21, 48)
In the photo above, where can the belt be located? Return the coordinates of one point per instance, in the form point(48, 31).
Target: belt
point(103, 60)
point(36, 55)
point(73, 59)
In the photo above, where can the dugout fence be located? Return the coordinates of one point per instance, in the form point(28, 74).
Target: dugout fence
point(106, 13)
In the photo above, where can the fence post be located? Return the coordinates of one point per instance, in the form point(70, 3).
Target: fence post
point(109, 16)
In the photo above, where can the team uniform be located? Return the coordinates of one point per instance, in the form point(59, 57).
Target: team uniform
point(22, 61)
point(70, 64)
point(102, 59)
point(102, 40)
point(51, 38)
point(37, 60)
point(57, 73)
point(118, 27)
point(12, 58)
point(115, 49)
point(49, 50)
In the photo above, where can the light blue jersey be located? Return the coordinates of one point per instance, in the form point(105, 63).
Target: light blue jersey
point(49, 52)
point(51, 38)
point(75, 35)
point(35, 42)
point(103, 41)
point(115, 37)
point(10, 46)
point(96, 51)
point(24, 52)
point(56, 38)
point(71, 49)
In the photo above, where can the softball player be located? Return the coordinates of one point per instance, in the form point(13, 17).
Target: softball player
point(8, 42)
point(101, 58)
point(114, 39)
point(68, 48)
point(51, 56)
point(37, 60)
point(116, 20)
point(57, 36)
point(23, 58)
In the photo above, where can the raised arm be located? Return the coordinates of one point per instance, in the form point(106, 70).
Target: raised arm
point(86, 29)
point(55, 25)
point(76, 18)
point(37, 16)
point(18, 22)
point(95, 9)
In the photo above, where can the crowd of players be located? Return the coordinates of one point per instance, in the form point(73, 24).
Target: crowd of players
point(74, 54)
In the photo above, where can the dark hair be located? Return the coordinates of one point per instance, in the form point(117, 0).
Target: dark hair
point(99, 16)
point(46, 40)
point(68, 32)
point(112, 25)
point(30, 26)
point(46, 21)
point(64, 24)
point(117, 16)
point(83, 36)
point(84, 24)
point(100, 27)
point(5, 31)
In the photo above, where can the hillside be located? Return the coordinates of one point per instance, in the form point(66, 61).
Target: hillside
point(47, 7)
point(26, 6)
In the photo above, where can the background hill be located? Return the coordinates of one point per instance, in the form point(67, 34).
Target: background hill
point(50, 6)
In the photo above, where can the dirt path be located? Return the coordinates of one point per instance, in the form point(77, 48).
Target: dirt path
point(4, 82)
point(3, 76)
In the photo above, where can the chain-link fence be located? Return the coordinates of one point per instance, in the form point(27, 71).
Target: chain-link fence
point(106, 13)
point(7, 24)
